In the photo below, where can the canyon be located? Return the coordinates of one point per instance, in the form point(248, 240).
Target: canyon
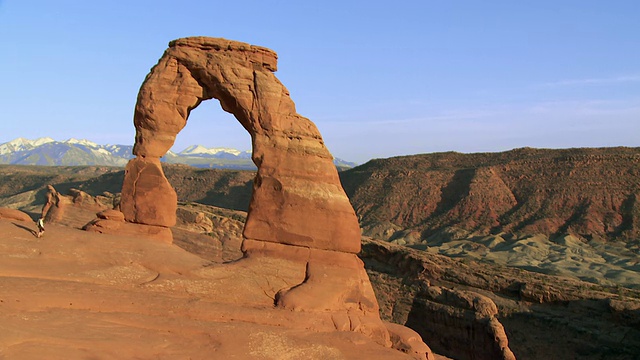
point(528, 254)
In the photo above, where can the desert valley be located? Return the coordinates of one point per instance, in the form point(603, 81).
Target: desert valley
point(527, 254)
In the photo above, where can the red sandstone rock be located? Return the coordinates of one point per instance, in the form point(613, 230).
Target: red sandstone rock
point(75, 209)
point(13, 214)
point(408, 341)
point(77, 295)
point(107, 226)
point(335, 282)
point(455, 322)
point(298, 210)
point(111, 214)
point(112, 221)
point(147, 196)
point(297, 198)
point(52, 200)
point(458, 307)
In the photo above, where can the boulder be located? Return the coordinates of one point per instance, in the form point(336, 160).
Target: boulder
point(147, 197)
point(111, 214)
point(109, 226)
point(408, 341)
point(14, 214)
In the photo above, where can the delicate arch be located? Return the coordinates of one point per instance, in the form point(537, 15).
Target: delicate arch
point(297, 196)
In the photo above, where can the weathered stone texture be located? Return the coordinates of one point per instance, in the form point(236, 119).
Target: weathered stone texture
point(14, 214)
point(147, 196)
point(297, 196)
point(298, 210)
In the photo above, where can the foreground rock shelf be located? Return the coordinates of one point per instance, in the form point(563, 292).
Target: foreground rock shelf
point(74, 294)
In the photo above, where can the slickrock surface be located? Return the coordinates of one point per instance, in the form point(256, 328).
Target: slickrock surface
point(13, 214)
point(77, 295)
point(543, 316)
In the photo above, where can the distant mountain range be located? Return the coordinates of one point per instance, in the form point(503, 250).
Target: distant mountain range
point(47, 151)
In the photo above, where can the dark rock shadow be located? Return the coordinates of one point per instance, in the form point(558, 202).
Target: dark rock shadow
point(454, 191)
point(32, 231)
point(237, 197)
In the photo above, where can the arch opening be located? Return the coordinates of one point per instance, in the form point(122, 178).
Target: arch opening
point(226, 178)
point(213, 138)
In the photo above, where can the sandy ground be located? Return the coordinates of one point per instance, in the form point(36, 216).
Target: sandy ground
point(598, 262)
point(79, 295)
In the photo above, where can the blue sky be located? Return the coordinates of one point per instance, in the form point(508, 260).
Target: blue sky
point(379, 79)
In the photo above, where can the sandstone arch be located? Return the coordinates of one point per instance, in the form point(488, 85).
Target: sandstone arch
point(301, 231)
point(298, 211)
point(297, 197)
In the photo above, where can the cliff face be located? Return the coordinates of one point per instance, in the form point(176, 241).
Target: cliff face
point(470, 310)
point(592, 192)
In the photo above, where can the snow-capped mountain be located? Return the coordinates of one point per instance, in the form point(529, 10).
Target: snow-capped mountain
point(22, 144)
point(81, 142)
point(201, 151)
point(71, 152)
point(221, 158)
point(122, 151)
point(46, 151)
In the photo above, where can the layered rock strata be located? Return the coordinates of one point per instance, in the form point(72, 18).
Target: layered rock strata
point(456, 322)
point(296, 179)
point(298, 209)
point(591, 193)
point(71, 209)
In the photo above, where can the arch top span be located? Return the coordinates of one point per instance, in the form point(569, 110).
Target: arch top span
point(257, 55)
point(195, 69)
point(297, 196)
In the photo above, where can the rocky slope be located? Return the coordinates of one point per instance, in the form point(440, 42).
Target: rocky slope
point(591, 193)
point(572, 212)
point(462, 308)
point(450, 302)
point(73, 294)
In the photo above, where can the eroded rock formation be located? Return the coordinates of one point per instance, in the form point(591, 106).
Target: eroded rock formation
point(296, 179)
point(462, 324)
point(53, 199)
point(112, 221)
point(298, 210)
point(14, 214)
point(71, 209)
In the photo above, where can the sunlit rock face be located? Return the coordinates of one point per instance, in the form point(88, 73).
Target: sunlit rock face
point(297, 196)
point(298, 212)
